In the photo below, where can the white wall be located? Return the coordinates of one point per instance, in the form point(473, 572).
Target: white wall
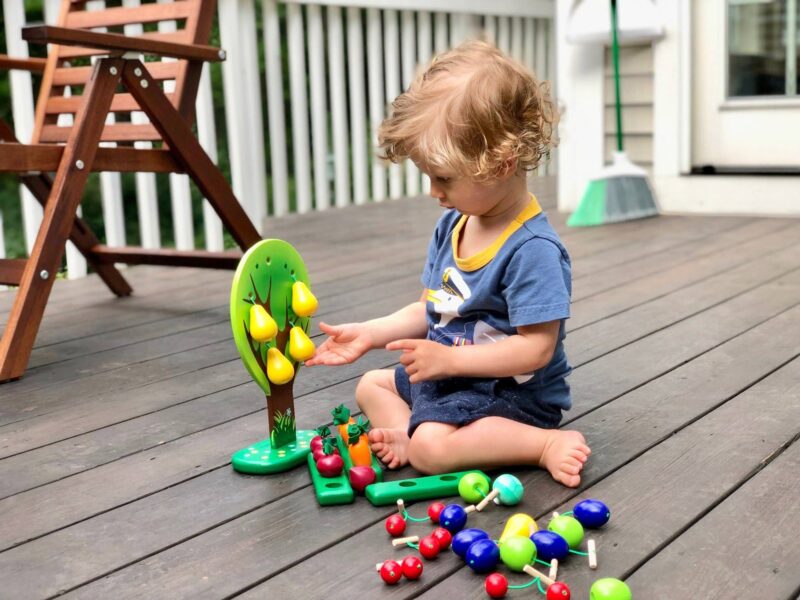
point(579, 72)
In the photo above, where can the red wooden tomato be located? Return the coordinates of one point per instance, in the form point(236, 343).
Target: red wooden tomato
point(395, 525)
point(558, 591)
point(391, 572)
point(434, 510)
point(496, 585)
point(442, 536)
point(412, 567)
point(429, 547)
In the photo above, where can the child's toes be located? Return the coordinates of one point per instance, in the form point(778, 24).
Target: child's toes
point(579, 455)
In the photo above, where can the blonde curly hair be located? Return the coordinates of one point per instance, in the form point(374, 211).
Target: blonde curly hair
point(472, 112)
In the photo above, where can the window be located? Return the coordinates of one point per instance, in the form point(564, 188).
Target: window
point(763, 47)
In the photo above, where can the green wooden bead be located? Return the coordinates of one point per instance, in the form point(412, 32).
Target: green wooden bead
point(473, 487)
point(569, 528)
point(517, 551)
point(609, 588)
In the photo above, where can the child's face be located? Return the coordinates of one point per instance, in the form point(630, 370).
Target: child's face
point(465, 195)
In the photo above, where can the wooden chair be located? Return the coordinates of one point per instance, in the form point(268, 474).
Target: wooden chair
point(73, 152)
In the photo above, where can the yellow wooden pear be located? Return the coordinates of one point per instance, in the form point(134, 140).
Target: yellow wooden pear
point(262, 326)
point(303, 301)
point(279, 369)
point(300, 346)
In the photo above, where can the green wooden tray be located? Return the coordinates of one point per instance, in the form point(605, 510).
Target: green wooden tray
point(330, 490)
point(419, 488)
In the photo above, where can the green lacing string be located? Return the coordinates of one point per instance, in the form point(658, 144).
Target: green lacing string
point(524, 585)
point(412, 519)
point(541, 562)
point(539, 585)
point(412, 545)
point(567, 514)
point(579, 553)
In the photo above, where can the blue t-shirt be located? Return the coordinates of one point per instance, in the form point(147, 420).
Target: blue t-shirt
point(523, 278)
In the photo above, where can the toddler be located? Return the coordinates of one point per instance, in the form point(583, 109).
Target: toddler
point(482, 381)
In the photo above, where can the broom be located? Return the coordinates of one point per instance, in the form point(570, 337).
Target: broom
point(621, 191)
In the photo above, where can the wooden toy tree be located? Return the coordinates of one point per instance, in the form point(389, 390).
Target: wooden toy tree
point(271, 308)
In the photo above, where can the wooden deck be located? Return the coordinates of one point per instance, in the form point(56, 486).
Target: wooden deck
point(115, 479)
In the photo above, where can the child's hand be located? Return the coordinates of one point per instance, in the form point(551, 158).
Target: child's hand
point(424, 360)
point(346, 343)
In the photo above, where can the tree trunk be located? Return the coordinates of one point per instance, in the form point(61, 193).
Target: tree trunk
point(280, 410)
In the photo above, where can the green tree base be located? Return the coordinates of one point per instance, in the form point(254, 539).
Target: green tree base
point(261, 458)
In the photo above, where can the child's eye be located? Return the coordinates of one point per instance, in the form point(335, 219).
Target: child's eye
point(443, 179)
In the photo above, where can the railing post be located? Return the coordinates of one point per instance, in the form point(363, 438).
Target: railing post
point(243, 107)
point(22, 106)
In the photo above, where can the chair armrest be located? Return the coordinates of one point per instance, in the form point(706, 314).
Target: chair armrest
point(116, 43)
point(25, 64)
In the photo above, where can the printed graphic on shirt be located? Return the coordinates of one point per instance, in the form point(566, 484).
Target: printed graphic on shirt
point(449, 297)
point(452, 329)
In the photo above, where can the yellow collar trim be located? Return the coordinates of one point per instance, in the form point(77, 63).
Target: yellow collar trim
point(482, 258)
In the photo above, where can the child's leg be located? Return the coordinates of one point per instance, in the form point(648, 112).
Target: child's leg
point(388, 413)
point(495, 442)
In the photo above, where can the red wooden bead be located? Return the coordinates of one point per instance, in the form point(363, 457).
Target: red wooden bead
point(558, 591)
point(391, 572)
point(429, 547)
point(395, 525)
point(434, 510)
point(444, 537)
point(412, 567)
point(496, 585)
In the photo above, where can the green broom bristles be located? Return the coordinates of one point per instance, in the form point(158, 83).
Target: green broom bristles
point(621, 192)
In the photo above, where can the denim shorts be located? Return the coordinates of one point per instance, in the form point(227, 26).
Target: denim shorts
point(462, 400)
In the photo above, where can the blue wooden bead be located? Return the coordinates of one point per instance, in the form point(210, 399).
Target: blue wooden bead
point(482, 556)
point(591, 513)
point(464, 538)
point(550, 545)
point(453, 518)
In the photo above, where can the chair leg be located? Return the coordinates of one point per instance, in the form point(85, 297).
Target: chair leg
point(82, 236)
point(57, 222)
point(180, 138)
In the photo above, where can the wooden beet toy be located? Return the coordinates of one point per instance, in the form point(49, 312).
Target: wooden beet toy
point(270, 324)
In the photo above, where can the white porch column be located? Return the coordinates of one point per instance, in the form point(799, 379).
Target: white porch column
point(579, 73)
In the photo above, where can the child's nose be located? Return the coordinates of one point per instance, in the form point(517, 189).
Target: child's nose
point(437, 192)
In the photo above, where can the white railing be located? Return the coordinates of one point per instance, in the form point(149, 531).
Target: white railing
point(347, 59)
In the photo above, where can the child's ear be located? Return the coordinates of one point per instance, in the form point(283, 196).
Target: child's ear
point(507, 169)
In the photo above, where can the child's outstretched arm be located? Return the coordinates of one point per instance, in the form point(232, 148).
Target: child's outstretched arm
point(350, 341)
point(531, 349)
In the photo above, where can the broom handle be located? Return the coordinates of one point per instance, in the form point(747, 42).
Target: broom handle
point(615, 58)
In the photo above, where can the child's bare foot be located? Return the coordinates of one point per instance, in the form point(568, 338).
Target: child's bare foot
point(390, 445)
point(564, 455)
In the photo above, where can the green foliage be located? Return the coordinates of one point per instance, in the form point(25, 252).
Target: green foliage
point(284, 427)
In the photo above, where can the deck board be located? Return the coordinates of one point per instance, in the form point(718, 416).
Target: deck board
point(114, 449)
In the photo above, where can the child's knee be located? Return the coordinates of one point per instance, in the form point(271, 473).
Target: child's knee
point(427, 451)
point(365, 390)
